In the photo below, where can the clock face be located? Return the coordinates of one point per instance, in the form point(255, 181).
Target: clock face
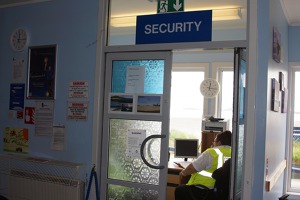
point(19, 39)
point(209, 88)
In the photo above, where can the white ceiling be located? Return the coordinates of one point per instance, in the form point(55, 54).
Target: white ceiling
point(290, 7)
point(291, 11)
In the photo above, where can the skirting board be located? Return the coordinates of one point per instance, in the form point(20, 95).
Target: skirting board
point(271, 180)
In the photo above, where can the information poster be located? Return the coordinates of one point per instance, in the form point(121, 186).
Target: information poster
point(29, 115)
point(18, 69)
point(77, 110)
point(79, 89)
point(58, 139)
point(15, 140)
point(44, 117)
point(135, 139)
point(135, 77)
point(17, 92)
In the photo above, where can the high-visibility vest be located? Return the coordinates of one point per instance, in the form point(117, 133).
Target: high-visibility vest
point(219, 154)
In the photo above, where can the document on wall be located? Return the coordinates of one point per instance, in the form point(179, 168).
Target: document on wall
point(79, 89)
point(18, 69)
point(135, 139)
point(58, 138)
point(135, 77)
point(44, 117)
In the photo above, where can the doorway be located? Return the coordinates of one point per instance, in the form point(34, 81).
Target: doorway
point(124, 172)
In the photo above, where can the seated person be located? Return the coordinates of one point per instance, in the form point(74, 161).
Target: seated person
point(202, 168)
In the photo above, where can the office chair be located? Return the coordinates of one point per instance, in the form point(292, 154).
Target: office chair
point(222, 177)
point(205, 193)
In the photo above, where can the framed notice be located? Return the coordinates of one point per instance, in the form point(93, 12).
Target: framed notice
point(41, 72)
point(78, 111)
point(275, 101)
point(276, 45)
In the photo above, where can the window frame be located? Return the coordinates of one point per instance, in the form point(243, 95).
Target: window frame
point(217, 69)
point(294, 67)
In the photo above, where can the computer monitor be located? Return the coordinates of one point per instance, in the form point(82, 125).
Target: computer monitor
point(186, 148)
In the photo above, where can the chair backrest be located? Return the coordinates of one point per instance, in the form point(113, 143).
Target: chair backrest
point(222, 177)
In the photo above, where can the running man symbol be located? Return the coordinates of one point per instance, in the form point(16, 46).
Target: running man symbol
point(163, 7)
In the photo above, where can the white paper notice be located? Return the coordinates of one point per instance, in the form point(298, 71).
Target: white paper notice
point(77, 110)
point(58, 138)
point(79, 89)
point(134, 142)
point(135, 77)
point(44, 117)
point(18, 69)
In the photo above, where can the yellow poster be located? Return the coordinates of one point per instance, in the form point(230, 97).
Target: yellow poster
point(15, 140)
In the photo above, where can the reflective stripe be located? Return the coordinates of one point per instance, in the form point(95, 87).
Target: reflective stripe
point(220, 157)
point(205, 173)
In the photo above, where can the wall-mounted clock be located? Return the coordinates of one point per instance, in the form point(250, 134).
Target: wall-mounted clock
point(209, 88)
point(19, 39)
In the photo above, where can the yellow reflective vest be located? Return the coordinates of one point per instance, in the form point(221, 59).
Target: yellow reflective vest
point(218, 154)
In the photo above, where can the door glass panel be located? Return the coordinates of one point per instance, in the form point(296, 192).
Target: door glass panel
point(240, 129)
point(117, 192)
point(124, 167)
point(154, 75)
point(295, 175)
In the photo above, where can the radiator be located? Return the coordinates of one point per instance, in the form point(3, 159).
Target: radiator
point(34, 186)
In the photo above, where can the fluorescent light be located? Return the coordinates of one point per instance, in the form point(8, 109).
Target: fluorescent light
point(227, 14)
point(218, 15)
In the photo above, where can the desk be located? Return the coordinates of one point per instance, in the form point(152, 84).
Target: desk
point(172, 179)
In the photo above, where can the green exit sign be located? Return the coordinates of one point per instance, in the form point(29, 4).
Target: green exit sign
point(164, 6)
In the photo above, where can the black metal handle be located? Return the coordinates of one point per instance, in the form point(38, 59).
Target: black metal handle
point(142, 151)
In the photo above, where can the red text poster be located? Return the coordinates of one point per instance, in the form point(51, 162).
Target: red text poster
point(29, 115)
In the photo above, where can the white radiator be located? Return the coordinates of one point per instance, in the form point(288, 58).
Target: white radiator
point(33, 186)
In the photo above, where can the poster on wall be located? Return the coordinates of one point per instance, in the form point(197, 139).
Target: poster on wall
point(17, 92)
point(79, 89)
point(15, 140)
point(18, 69)
point(29, 115)
point(275, 101)
point(41, 72)
point(78, 111)
point(44, 112)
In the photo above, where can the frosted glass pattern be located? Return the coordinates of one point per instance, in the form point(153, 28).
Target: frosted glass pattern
point(239, 164)
point(117, 192)
point(123, 167)
point(154, 75)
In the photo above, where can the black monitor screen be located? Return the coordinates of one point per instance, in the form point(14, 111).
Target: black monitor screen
point(186, 148)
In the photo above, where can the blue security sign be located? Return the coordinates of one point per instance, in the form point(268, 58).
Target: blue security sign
point(193, 26)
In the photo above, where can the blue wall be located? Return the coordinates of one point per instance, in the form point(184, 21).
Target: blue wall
point(72, 25)
point(270, 134)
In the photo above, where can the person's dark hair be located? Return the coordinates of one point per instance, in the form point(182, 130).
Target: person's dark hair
point(224, 138)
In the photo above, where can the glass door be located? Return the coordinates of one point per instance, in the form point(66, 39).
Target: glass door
point(136, 126)
point(240, 64)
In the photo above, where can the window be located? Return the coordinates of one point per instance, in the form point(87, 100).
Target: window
point(225, 74)
point(186, 103)
point(188, 107)
point(294, 153)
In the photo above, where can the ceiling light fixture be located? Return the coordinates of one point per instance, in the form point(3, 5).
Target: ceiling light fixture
point(218, 15)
